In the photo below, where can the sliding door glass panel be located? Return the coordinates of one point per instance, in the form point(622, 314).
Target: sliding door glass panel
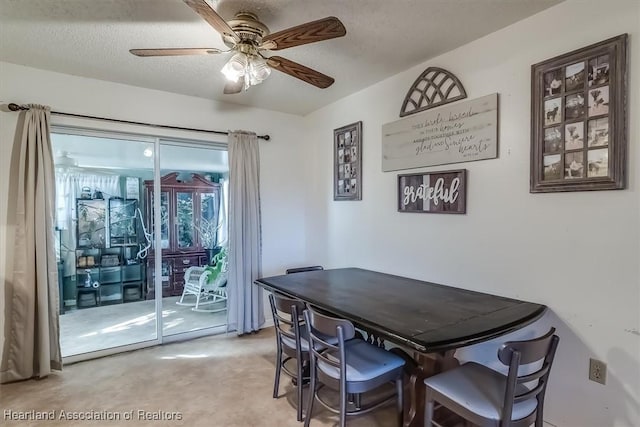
point(104, 242)
point(194, 298)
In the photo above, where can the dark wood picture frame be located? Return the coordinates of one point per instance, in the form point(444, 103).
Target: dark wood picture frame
point(445, 193)
point(347, 162)
point(578, 119)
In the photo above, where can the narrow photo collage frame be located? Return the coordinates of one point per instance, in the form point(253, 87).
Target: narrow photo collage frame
point(347, 176)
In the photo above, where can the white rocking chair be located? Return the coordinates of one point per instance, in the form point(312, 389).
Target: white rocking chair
point(196, 283)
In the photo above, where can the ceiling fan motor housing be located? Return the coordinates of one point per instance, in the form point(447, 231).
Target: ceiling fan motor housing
point(248, 28)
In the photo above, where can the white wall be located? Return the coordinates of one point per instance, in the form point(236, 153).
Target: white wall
point(538, 247)
point(575, 252)
point(280, 169)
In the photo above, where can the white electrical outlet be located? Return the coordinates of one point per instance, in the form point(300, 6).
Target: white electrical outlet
point(597, 371)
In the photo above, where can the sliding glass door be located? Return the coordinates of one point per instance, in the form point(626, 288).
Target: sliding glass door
point(104, 243)
point(125, 282)
point(193, 253)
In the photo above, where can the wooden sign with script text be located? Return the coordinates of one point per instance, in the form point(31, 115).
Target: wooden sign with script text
point(437, 192)
point(462, 132)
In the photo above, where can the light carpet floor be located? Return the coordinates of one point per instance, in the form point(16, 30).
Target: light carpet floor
point(97, 328)
point(220, 381)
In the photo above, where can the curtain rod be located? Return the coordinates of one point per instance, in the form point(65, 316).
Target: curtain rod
point(16, 107)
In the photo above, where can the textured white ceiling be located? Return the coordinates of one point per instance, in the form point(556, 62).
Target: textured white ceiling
point(91, 38)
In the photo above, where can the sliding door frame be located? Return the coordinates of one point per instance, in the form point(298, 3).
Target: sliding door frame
point(144, 134)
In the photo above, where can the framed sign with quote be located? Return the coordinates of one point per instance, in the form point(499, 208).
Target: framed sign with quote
point(433, 192)
point(578, 128)
point(460, 132)
point(347, 162)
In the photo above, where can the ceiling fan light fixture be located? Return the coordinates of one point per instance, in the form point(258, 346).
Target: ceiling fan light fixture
point(252, 67)
point(258, 70)
point(235, 67)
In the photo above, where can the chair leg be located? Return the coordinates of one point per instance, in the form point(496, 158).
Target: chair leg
point(312, 393)
point(197, 301)
point(539, 411)
point(276, 381)
point(299, 389)
point(400, 400)
point(357, 400)
point(428, 413)
point(343, 407)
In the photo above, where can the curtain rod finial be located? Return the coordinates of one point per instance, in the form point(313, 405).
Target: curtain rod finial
point(265, 137)
point(15, 107)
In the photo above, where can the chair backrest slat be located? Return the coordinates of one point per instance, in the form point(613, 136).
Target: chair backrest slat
point(321, 348)
point(530, 350)
point(319, 345)
point(321, 328)
point(327, 325)
point(284, 309)
point(284, 304)
point(530, 394)
point(523, 379)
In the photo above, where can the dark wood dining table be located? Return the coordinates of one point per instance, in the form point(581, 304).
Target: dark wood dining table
point(426, 321)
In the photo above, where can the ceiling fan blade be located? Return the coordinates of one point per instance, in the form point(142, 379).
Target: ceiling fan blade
point(311, 32)
point(234, 87)
point(299, 71)
point(204, 9)
point(175, 51)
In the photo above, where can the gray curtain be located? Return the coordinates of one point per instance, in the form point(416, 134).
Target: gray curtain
point(32, 333)
point(245, 307)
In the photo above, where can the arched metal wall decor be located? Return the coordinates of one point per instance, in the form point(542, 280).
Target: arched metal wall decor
point(434, 87)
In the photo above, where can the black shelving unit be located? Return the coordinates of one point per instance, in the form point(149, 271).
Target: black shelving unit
point(104, 277)
point(107, 269)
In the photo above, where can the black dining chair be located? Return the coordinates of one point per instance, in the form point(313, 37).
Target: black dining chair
point(287, 319)
point(488, 398)
point(350, 366)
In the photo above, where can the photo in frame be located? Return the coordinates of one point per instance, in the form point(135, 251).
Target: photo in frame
point(578, 119)
point(347, 163)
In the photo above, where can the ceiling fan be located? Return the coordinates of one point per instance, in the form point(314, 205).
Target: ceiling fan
point(249, 38)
